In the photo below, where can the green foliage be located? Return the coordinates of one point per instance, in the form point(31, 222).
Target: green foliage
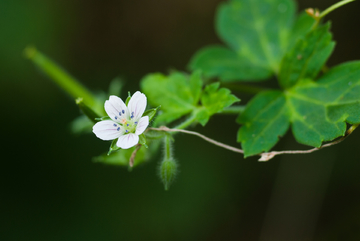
point(180, 94)
point(307, 57)
point(257, 33)
point(264, 38)
point(214, 100)
point(264, 120)
point(318, 111)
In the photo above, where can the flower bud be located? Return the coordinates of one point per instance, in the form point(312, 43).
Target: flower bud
point(168, 171)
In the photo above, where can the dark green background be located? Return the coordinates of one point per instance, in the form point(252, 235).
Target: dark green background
point(50, 189)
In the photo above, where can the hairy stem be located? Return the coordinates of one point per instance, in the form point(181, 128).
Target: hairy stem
point(233, 110)
point(264, 156)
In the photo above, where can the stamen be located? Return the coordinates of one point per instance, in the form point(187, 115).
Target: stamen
point(126, 131)
point(135, 122)
point(123, 111)
point(115, 117)
point(127, 124)
point(119, 113)
point(115, 125)
point(118, 129)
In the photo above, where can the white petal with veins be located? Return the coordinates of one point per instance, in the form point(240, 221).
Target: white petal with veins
point(141, 126)
point(127, 141)
point(114, 106)
point(137, 105)
point(107, 130)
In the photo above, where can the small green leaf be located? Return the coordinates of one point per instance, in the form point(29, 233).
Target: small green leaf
point(177, 94)
point(142, 140)
point(257, 30)
point(113, 147)
point(128, 99)
point(217, 61)
point(214, 100)
point(265, 118)
point(307, 57)
point(151, 113)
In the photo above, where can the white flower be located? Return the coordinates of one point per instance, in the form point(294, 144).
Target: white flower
point(126, 122)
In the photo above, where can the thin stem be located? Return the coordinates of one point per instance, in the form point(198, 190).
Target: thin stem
point(133, 155)
point(187, 122)
point(264, 156)
point(167, 147)
point(233, 110)
point(60, 77)
point(164, 128)
point(333, 7)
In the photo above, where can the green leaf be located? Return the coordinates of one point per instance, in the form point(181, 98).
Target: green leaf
point(310, 124)
point(128, 99)
point(341, 89)
point(177, 94)
point(151, 113)
point(265, 118)
point(81, 125)
point(317, 111)
point(257, 30)
point(302, 26)
point(113, 147)
point(218, 61)
point(214, 100)
point(142, 140)
point(307, 57)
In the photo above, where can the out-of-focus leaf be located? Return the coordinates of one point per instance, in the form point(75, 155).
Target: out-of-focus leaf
point(307, 57)
point(302, 26)
point(218, 61)
point(81, 125)
point(257, 30)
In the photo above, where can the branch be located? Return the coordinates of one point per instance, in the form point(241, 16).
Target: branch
point(263, 156)
point(164, 128)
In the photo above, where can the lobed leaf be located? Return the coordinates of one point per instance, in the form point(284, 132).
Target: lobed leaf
point(265, 118)
point(177, 93)
point(307, 57)
point(214, 100)
point(318, 111)
point(218, 61)
point(257, 33)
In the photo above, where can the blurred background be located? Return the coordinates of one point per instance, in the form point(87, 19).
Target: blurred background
point(51, 189)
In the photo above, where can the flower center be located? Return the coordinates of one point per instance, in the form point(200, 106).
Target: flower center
point(129, 126)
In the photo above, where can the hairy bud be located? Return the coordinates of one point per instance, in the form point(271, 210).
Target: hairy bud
point(168, 171)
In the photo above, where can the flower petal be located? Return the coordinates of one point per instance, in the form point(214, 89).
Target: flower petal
point(116, 108)
point(127, 141)
point(107, 130)
point(141, 126)
point(137, 105)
